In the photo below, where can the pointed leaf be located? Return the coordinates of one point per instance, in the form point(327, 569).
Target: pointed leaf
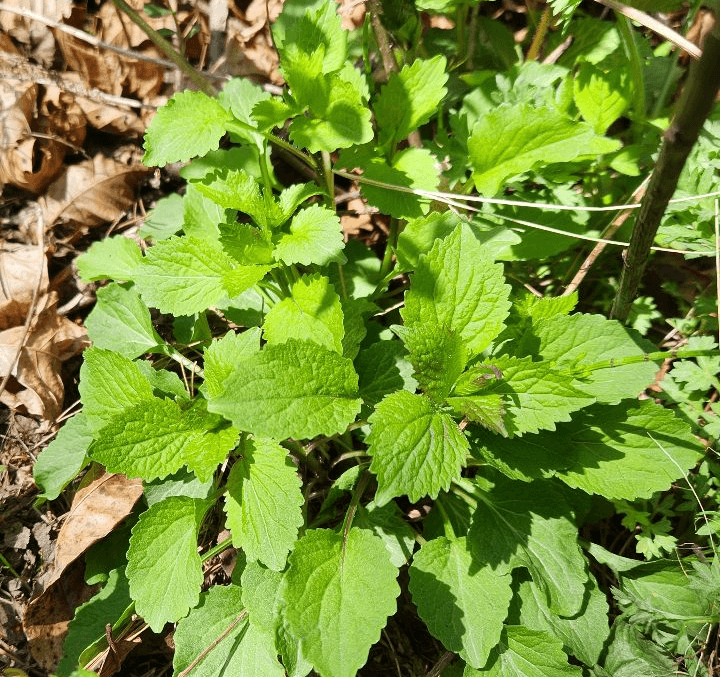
point(315, 237)
point(458, 287)
point(416, 450)
point(463, 604)
point(190, 124)
point(121, 322)
point(163, 563)
point(312, 312)
point(263, 503)
point(223, 354)
point(296, 389)
point(339, 593)
point(114, 258)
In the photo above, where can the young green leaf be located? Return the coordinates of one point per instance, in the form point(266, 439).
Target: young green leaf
point(185, 275)
point(339, 592)
point(601, 97)
point(263, 503)
point(240, 95)
point(382, 369)
point(163, 563)
point(526, 653)
point(114, 258)
point(190, 124)
point(456, 286)
point(315, 237)
point(121, 322)
point(416, 449)
point(202, 216)
point(462, 602)
point(296, 389)
point(531, 525)
point(513, 139)
point(110, 384)
point(156, 438)
point(222, 355)
point(312, 312)
point(410, 98)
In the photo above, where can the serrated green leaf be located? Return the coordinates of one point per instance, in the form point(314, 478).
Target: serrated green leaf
point(296, 389)
point(458, 287)
point(631, 654)
point(186, 275)
point(583, 635)
point(163, 382)
point(88, 623)
point(625, 451)
point(410, 168)
point(339, 118)
point(202, 217)
point(526, 653)
point(416, 450)
point(263, 503)
point(438, 356)
point(318, 29)
point(513, 139)
point(190, 124)
point(235, 189)
point(62, 459)
point(110, 384)
point(536, 395)
point(240, 95)
point(121, 322)
point(574, 341)
point(382, 369)
point(156, 438)
point(356, 312)
point(339, 592)
point(463, 604)
point(601, 97)
point(114, 258)
point(222, 355)
point(163, 563)
point(312, 312)
point(241, 652)
point(245, 243)
point(410, 98)
point(531, 525)
point(315, 237)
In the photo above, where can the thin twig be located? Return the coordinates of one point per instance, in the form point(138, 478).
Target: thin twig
point(92, 40)
point(617, 222)
point(540, 34)
point(40, 224)
point(444, 661)
point(654, 25)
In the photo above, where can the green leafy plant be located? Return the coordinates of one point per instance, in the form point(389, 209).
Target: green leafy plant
point(514, 419)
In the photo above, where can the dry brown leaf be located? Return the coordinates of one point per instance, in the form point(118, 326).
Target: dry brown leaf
point(91, 193)
point(36, 385)
point(23, 269)
point(35, 35)
point(61, 116)
point(98, 68)
point(96, 510)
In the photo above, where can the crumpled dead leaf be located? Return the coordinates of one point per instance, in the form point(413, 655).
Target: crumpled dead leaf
point(33, 356)
point(26, 161)
point(91, 193)
point(96, 510)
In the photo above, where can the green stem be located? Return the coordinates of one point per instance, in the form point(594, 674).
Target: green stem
point(391, 244)
point(161, 43)
point(8, 566)
point(648, 357)
point(185, 362)
point(354, 501)
point(540, 34)
point(447, 524)
point(216, 550)
point(636, 71)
